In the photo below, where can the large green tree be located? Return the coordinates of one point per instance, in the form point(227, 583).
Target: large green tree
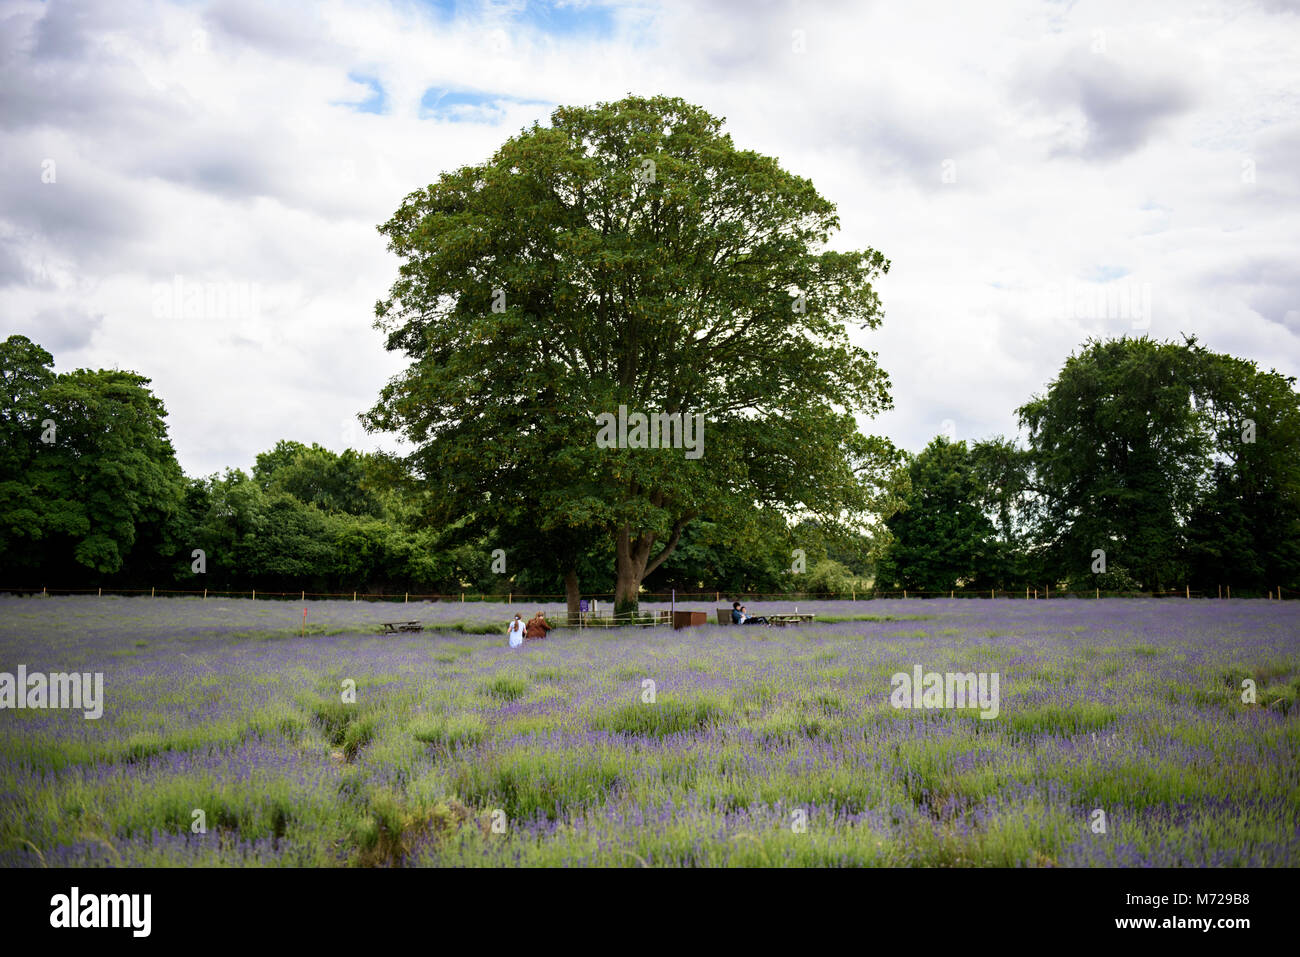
point(1245, 530)
point(88, 471)
point(629, 255)
point(1119, 450)
point(940, 537)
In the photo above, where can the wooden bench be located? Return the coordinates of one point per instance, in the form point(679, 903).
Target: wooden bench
point(393, 627)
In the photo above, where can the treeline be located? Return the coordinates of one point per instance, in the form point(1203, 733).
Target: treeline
point(1145, 466)
point(91, 495)
point(1148, 466)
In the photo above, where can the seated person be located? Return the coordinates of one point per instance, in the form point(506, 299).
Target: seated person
point(747, 619)
point(536, 628)
point(737, 616)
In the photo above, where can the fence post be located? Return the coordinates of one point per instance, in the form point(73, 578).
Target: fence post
point(354, 596)
point(462, 598)
point(151, 591)
point(1220, 591)
point(1187, 589)
point(1099, 594)
point(1229, 592)
point(407, 598)
point(304, 595)
point(254, 594)
point(205, 594)
point(510, 598)
point(991, 595)
point(101, 591)
point(904, 592)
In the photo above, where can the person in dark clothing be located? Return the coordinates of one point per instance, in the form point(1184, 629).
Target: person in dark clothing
point(740, 616)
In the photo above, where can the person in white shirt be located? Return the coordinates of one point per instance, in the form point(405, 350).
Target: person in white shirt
point(516, 632)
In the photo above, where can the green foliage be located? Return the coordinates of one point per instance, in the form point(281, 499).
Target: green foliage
point(941, 537)
point(87, 474)
point(1246, 528)
point(1078, 718)
point(556, 282)
point(1115, 578)
point(316, 476)
point(449, 732)
point(664, 717)
point(475, 627)
point(829, 577)
point(506, 687)
point(1177, 462)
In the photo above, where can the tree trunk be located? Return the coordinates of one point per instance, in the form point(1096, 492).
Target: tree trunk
point(632, 563)
point(571, 594)
point(628, 573)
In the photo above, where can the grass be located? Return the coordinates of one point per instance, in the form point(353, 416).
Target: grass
point(505, 687)
point(658, 719)
point(450, 732)
point(1061, 719)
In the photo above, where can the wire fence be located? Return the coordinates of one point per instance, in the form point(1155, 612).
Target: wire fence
point(717, 596)
point(620, 620)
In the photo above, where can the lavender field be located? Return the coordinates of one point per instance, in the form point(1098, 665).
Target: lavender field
point(461, 751)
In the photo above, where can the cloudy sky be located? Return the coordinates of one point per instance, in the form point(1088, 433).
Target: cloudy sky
point(191, 190)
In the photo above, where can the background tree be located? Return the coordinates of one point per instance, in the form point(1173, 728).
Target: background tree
point(88, 470)
point(335, 482)
point(1118, 450)
point(26, 371)
point(940, 537)
point(750, 556)
point(1246, 527)
point(1004, 474)
point(629, 254)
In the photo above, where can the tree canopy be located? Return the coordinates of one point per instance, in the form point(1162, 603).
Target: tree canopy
point(941, 536)
point(630, 256)
point(1174, 461)
point(87, 466)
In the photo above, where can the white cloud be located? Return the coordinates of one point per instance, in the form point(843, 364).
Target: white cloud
point(996, 153)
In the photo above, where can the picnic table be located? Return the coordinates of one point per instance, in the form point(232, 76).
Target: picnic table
point(724, 618)
point(784, 620)
point(393, 627)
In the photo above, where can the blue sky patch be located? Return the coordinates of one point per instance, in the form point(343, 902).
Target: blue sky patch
point(1106, 273)
point(554, 17)
point(459, 106)
point(569, 19)
point(375, 102)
